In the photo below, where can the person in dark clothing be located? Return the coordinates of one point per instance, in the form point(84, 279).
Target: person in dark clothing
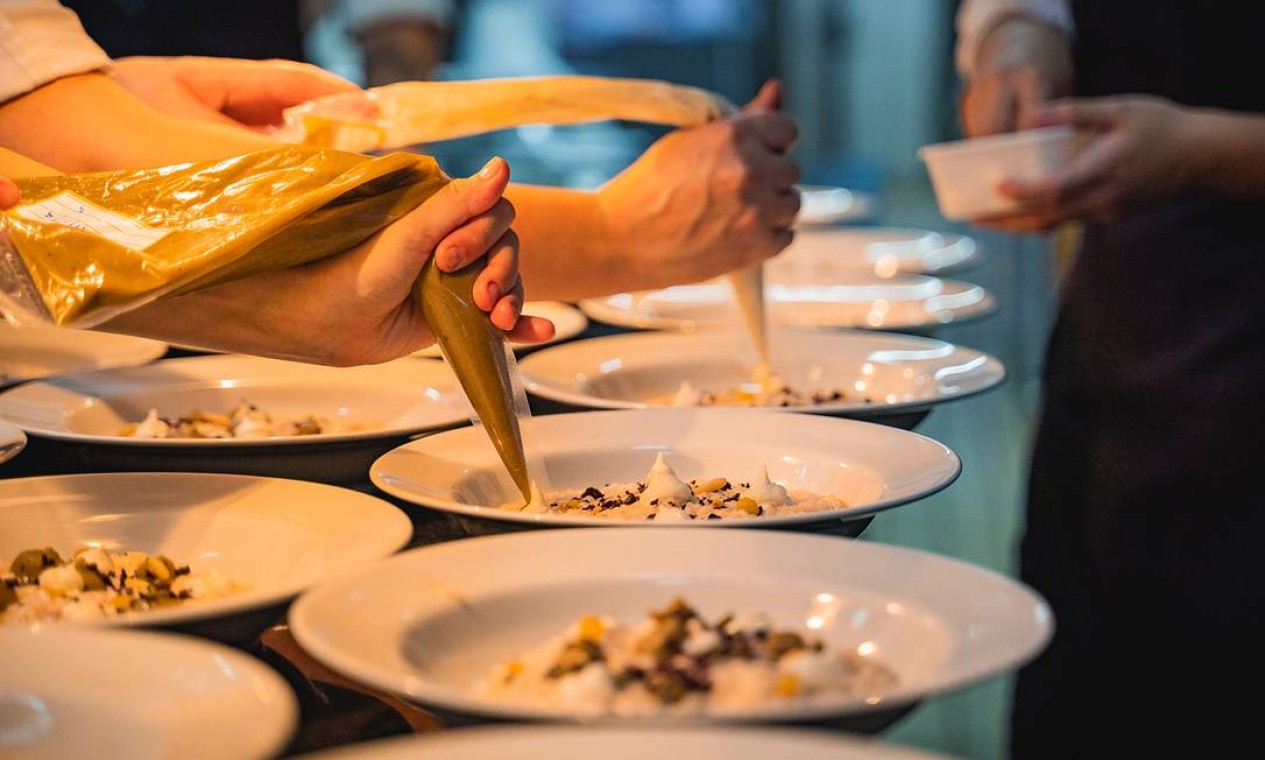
point(397, 41)
point(226, 28)
point(1145, 510)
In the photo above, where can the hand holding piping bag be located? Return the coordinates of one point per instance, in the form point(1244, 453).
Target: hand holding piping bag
point(748, 283)
point(470, 321)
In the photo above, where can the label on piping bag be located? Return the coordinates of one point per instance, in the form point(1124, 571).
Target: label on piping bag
point(70, 210)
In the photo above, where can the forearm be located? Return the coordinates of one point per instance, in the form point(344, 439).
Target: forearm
point(568, 250)
point(15, 165)
point(90, 123)
point(1227, 154)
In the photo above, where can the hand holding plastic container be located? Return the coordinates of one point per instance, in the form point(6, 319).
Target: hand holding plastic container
point(965, 174)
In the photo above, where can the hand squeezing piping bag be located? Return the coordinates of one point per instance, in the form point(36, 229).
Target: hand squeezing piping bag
point(481, 358)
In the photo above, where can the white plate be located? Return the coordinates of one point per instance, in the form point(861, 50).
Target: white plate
point(32, 352)
point(399, 399)
point(897, 373)
point(276, 536)
point(826, 254)
point(429, 623)
point(566, 742)
point(78, 692)
point(871, 467)
point(568, 320)
point(860, 300)
point(823, 204)
point(12, 440)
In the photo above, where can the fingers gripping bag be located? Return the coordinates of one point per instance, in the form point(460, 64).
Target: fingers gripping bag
point(82, 249)
point(409, 113)
point(86, 247)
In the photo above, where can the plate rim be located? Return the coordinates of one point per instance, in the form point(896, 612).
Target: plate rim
point(12, 440)
point(865, 206)
point(303, 628)
point(947, 455)
point(79, 383)
point(855, 409)
point(581, 323)
point(138, 351)
point(970, 261)
point(281, 705)
point(600, 310)
point(480, 739)
point(396, 532)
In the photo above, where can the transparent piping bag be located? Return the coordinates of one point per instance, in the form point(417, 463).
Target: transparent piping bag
point(409, 113)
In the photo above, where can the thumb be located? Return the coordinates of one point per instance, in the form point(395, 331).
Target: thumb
point(450, 207)
point(10, 196)
point(769, 98)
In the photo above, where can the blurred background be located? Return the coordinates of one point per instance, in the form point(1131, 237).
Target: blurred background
point(868, 81)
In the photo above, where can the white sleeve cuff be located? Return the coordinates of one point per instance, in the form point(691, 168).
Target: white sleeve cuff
point(977, 18)
point(362, 13)
point(42, 41)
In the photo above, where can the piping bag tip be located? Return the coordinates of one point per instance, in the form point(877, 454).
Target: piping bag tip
point(748, 288)
point(482, 360)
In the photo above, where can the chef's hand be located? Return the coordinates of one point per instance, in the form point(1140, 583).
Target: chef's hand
point(701, 202)
point(1138, 151)
point(9, 195)
point(358, 307)
point(245, 93)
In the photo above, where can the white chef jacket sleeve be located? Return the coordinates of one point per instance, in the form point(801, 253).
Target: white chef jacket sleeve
point(976, 18)
point(362, 13)
point(41, 41)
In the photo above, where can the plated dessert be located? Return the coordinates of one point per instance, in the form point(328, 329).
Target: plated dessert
point(835, 473)
point(93, 583)
point(677, 661)
point(213, 555)
point(663, 496)
point(245, 420)
point(764, 389)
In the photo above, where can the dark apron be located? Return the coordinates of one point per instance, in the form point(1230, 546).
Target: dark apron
point(1146, 508)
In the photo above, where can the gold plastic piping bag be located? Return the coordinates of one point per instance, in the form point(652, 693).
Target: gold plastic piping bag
point(481, 359)
point(748, 285)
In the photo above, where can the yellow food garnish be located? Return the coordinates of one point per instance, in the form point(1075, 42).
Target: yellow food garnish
point(748, 505)
point(787, 685)
point(512, 669)
point(708, 486)
point(591, 628)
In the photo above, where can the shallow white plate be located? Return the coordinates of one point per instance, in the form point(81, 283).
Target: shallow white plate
point(826, 254)
point(871, 467)
point(883, 373)
point(82, 692)
point(34, 351)
point(276, 536)
point(12, 440)
point(568, 320)
point(397, 400)
point(823, 204)
point(568, 742)
point(859, 300)
point(429, 623)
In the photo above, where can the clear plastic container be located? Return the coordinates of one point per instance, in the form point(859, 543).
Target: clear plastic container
point(965, 173)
